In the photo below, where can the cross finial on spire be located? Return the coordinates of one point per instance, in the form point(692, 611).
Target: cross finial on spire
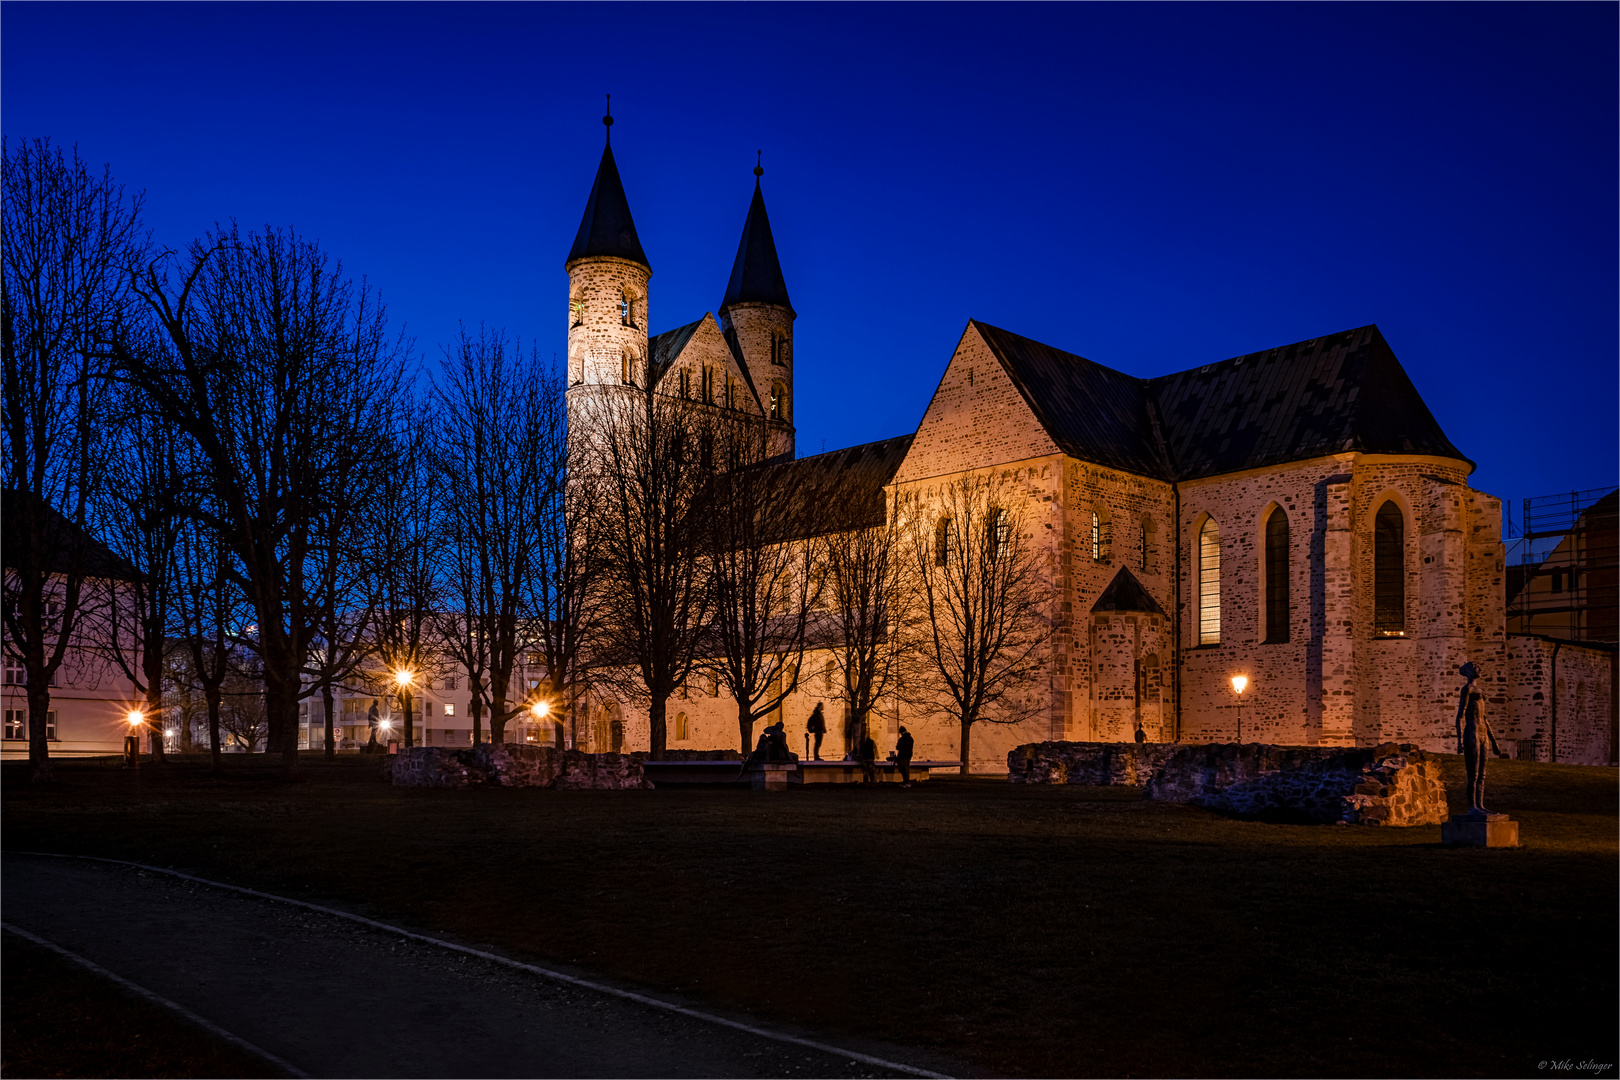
point(607, 120)
point(759, 168)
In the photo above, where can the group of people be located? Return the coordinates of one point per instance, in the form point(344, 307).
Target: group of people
point(860, 746)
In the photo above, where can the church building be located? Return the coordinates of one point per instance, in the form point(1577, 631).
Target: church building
point(1295, 516)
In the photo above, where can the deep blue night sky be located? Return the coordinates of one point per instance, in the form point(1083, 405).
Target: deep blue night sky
point(1153, 187)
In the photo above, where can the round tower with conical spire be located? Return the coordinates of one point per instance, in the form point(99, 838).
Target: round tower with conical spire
point(757, 318)
point(608, 277)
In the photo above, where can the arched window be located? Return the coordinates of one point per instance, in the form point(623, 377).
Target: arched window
point(627, 309)
point(1277, 576)
point(778, 348)
point(998, 531)
point(576, 312)
point(686, 382)
point(1146, 553)
point(1096, 536)
point(778, 401)
point(680, 728)
point(1209, 584)
point(1389, 571)
point(942, 542)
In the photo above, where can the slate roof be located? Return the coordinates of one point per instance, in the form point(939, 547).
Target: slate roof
point(843, 489)
point(69, 549)
point(607, 228)
point(663, 348)
point(1329, 395)
point(756, 275)
point(1125, 593)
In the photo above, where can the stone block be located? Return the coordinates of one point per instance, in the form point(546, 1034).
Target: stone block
point(1466, 830)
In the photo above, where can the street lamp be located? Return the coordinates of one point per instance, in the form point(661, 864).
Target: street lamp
point(132, 741)
point(1239, 684)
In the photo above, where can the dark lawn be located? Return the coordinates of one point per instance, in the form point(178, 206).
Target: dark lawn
point(1031, 930)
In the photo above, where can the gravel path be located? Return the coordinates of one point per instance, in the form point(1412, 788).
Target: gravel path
point(336, 998)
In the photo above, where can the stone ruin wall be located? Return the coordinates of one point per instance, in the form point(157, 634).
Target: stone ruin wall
point(1392, 784)
point(1584, 732)
point(514, 765)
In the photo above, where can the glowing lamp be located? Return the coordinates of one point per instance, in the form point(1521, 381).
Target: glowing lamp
point(402, 677)
point(135, 718)
point(540, 709)
point(385, 724)
point(1240, 683)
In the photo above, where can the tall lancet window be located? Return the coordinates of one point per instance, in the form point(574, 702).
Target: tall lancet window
point(627, 310)
point(1389, 571)
point(629, 362)
point(1209, 584)
point(1096, 536)
point(1277, 576)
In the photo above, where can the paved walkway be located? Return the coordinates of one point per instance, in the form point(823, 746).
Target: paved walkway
point(336, 998)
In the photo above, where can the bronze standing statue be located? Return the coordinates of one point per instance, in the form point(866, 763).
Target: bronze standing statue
point(1473, 733)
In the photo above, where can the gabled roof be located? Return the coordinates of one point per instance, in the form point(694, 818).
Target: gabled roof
point(607, 228)
point(68, 548)
point(756, 275)
point(1125, 593)
point(664, 349)
point(1329, 395)
point(1092, 412)
point(843, 489)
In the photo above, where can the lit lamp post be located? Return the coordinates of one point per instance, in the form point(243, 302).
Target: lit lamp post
point(404, 679)
point(1239, 684)
point(132, 741)
point(540, 710)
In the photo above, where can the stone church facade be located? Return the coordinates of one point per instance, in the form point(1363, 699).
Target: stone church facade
point(1295, 516)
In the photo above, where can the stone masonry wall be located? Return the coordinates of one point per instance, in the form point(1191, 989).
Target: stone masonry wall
point(1582, 731)
point(514, 765)
point(1087, 762)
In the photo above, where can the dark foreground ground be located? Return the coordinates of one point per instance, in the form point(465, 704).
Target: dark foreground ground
point(1028, 930)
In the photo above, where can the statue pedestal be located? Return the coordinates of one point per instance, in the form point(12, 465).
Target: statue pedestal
point(1479, 830)
point(772, 776)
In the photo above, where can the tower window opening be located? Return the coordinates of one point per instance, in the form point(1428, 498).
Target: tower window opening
point(1209, 584)
point(627, 310)
point(1389, 571)
point(576, 312)
point(629, 373)
point(1277, 577)
point(778, 401)
point(942, 542)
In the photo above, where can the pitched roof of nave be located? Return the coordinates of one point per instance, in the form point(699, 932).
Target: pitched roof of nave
point(607, 227)
point(756, 275)
point(843, 489)
point(663, 349)
point(1343, 392)
point(1125, 593)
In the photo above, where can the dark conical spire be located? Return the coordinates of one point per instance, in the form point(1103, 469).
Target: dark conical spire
point(607, 227)
point(756, 276)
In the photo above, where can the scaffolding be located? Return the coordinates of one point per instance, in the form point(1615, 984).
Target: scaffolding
point(1564, 572)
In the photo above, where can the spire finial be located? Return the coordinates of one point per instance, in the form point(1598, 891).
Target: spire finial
point(607, 120)
point(759, 168)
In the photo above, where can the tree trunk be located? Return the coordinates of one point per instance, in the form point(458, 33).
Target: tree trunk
point(406, 701)
point(330, 745)
point(656, 717)
point(745, 726)
point(39, 748)
point(154, 714)
point(477, 707)
point(967, 733)
point(212, 694)
point(497, 719)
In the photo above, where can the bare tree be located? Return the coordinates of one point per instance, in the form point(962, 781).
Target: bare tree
point(406, 552)
point(982, 602)
point(283, 374)
point(760, 579)
point(649, 457)
point(566, 599)
point(139, 512)
point(68, 237)
point(870, 596)
point(208, 615)
point(490, 395)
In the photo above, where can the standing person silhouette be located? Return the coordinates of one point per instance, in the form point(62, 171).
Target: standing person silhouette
point(902, 755)
point(817, 726)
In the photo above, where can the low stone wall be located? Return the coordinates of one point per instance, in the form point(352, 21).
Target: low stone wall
point(1087, 762)
point(702, 755)
point(514, 765)
point(1391, 784)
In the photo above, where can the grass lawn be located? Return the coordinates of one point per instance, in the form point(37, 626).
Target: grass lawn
point(1062, 931)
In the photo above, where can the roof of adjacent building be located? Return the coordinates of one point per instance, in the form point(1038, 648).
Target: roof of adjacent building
point(607, 227)
point(1335, 394)
point(68, 548)
point(756, 275)
point(1125, 593)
